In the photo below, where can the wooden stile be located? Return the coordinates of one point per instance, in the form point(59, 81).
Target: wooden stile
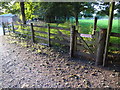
point(72, 42)
point(101, 46)
point(111, 14)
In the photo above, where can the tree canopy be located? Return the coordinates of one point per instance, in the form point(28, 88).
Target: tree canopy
point(56, 11)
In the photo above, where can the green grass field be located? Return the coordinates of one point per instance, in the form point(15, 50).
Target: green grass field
point(87, 25)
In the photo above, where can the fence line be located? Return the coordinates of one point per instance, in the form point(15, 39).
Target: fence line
point(94, 47)
point(48, 33)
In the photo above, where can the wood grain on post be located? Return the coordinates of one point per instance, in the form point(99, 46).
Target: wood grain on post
point(75, 41)
point(48, 26)
point(13, 27)
point(94, 26)
point(72, 42)
point(32, 33)
point(101, 46)
point(3, 26)
point(111, 14)
point(96, 37)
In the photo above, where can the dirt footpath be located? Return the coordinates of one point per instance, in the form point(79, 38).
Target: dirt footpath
point(22, 67)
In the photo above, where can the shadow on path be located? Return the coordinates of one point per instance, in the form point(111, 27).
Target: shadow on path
point(22, 68)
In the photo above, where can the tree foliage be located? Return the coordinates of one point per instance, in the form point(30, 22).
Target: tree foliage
point(58, 11)
point(104, 9)
point(52, 10)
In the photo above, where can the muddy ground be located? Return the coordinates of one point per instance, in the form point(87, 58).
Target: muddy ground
point(25, 66)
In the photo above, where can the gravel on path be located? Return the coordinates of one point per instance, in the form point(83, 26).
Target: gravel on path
point(23, 68)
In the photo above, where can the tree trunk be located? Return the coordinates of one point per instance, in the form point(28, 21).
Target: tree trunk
point(23, 12)
point(76, 20)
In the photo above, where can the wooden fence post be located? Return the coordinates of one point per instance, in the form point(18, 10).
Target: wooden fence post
point(94, 26)
point(3, 26)
point(32, 33)
point(13, 27)
point(48, 27)
point(111, 15)
point(101, 46)
point(76, 31)
point(95, 40)
point(72, 42)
